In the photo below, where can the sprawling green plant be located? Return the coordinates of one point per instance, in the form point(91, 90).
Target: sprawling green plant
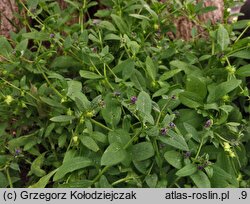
point(108, 100)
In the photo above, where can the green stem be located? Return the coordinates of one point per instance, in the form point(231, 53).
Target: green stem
point(51, 86)
point(242, 33)
point(101, 125)
point(8, 177)
point(100, 174)
point(159, 116)
point(19, 88)
point(131, 140)
point(198, 152)
point(30, 13)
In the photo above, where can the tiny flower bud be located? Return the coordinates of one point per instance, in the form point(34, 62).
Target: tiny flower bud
point(52, 35)
point(232, 154)
point(17, 152)
point(172, 125)
point(226, 147)
point(208, 123)
point(200, 167)
point(75, 139)
point(117, 93)
point(90, 114)
point(133, 99)
point(8, 99)
point(163, 131)
point(173, 97)
point(187, 154)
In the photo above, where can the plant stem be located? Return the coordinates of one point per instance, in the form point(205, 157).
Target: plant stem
point(198, 152)
point(8, 177)
point(101, 125)
point(100, 174)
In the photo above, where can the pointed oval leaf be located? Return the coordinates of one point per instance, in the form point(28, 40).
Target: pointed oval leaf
point(62, 118)
point(142, 151)
point(244, 71)
point(186, 170)
point(174, 158)
point(89, 143)
point(201, 180)
point(72, 165)
point(175, 140)
point(113, 155)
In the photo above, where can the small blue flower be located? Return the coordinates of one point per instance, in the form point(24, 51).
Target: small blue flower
point(17, 152)
point(52, 35)
point(187, 154)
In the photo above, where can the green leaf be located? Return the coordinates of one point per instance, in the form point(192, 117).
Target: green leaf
point(120, 23)
point(112, 36)
point(113, 155)
point(100, 137)
point(64, 62)
point(151, 11)
point(36, 166)
point(196, 85)
point(6, 48)
point(35, 35)
point(62, 140)
point(151, 180)
point(138, 80)
point(151, 68)
point(89, 75)
point(107, 25)
point(174, 140)
point(126, 67)
point(72, 165)
point(62, 118)
point(144, 103)
point(218, 91)
point(20, 141)
point(22, 45)
point(186, 170)
point(142, 151)
point(77, 184)
point(243, 54)
point(3, 181)
point(244, 71)
point(104, 183)
point(161, 91)
point(222, 37)
point(191, 130)
point(119, 136)
point(89, 143)
point(201, 180)
point(174, 158)
point(51, 102)
point(73, 87)
point(189, 116)
point(240, 24)
point(144, 107)
point(138, 16)
point(190, 99)
point(44, 180)
point(76, 5)
point(169, 74)
point(112, 111)
point(187, 68)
